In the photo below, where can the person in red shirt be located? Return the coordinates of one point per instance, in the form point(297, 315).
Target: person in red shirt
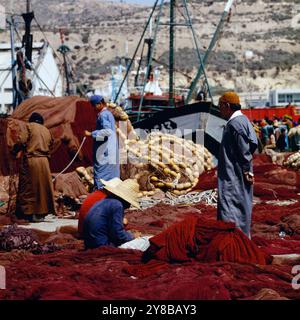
point(87, 204)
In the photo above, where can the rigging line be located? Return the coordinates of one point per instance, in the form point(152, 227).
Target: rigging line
point(3, 70)
point(179, 10)
point(56, 82)
point(68, 166)
point(175, 69)
point(8, 73)
point(151, 54)
point(50, 75)
point(136, 50)
point(198, 50)
point(43, 33)
point(42, 81)
point(219, 38)
point(33, 69)
point(17, 33)
point(40, 64)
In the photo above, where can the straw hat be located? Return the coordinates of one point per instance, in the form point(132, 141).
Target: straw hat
point(127, 190)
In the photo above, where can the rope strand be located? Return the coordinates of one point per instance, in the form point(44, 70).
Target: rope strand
point(68, 166)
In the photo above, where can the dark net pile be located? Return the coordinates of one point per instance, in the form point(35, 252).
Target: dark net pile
point(15, 238)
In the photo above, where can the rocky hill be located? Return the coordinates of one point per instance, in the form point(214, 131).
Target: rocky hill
point(97, 33)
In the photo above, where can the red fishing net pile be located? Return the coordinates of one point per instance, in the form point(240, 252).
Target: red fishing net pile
point(272, 182)
point(109, 273)
point(209, 265)
point(103, 274)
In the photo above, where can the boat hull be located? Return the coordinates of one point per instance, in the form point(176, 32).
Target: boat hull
point(199, 121)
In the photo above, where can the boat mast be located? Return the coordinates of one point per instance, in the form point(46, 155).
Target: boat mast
point(13, 63)
point(171, 54)
point(28, 38)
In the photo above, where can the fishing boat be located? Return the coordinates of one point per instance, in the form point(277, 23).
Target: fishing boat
point(29, 68)
point(172, 110)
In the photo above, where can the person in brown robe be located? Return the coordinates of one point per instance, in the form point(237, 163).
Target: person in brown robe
point(35, 195)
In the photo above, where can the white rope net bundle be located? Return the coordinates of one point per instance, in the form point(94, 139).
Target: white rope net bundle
point(161, 162)
point(293, 161)
point(209, 197)
point(164, 162)
point(294, 131)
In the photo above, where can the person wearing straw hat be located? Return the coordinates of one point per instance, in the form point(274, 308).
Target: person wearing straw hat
point(103, 225)
point(235, 168)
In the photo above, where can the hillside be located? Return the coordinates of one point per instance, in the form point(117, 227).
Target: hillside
point(97, 32)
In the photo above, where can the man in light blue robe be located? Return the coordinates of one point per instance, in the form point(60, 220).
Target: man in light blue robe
point(235, 168)
point(105, 147)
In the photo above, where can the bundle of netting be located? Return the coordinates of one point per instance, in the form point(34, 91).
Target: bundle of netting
point(87, 177)
point(294, 131)
point(293, 161)
point(164, 162)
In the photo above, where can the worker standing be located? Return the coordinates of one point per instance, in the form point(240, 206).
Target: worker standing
point(235, 168)
point(35, 195)
point(105, 147)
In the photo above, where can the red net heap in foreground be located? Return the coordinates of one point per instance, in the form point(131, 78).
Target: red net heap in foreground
point(204, 264)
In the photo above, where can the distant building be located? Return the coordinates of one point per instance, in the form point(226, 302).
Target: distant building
point(253, 99)
point(282, 97)
point(272, 98)
point(2, 18)
point(45, 78)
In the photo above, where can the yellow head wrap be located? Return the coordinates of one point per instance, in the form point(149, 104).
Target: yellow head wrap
point(230, 97)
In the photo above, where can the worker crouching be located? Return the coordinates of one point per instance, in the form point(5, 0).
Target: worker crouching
point(103, 225)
